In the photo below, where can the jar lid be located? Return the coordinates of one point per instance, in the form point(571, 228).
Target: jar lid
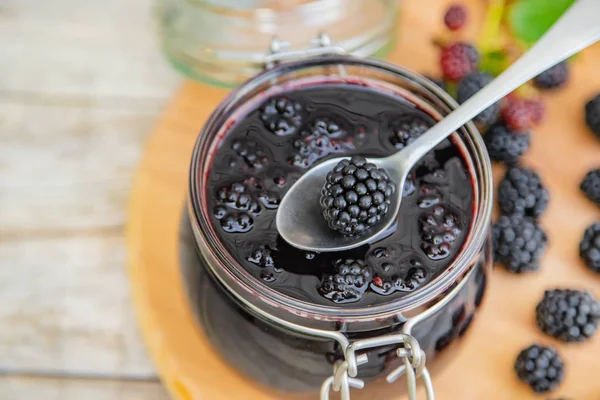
point(227, 42)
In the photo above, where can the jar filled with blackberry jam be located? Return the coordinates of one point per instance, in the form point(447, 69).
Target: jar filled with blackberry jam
point(302, 322)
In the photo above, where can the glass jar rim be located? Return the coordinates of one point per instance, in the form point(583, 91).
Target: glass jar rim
point(246, 287)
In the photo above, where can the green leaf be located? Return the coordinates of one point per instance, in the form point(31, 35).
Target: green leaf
point(494, 62)
point(530, 19)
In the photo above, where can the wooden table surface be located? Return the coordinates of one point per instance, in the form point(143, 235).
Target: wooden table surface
point(81, 85)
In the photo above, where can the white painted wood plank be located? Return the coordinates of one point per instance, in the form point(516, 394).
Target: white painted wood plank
point(88, 48)
point(67, 168)
point(65, 307)
point(15, 388)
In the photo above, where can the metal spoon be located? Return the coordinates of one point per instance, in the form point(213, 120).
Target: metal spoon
point(299, 218)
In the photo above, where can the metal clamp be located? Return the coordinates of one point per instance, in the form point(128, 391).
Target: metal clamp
point(345, 372)
point(322, 45)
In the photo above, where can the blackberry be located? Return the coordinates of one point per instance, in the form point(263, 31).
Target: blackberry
point(326, 127)
point(458, 60)
point(439, 230)
point(356, 195)
point(270, 200)
point(390, 275)
point(522, 192)
point(237, 223)
point(589, 247)
point(281, 116)
point(413, 279)
point(592, 115)
point(323, 137)
point(506, 145)
point(456, 17)
point(518, 243)
point(262, 257)
point(540, 367)
point(350, 279)
point(554, 77)
point(568, 315)
point(252, 154)
point(471, 84)
point(591, 185)
point(238, 197)
point(405, 130)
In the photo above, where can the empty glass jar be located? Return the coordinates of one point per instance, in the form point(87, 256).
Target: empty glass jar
point(224, 42)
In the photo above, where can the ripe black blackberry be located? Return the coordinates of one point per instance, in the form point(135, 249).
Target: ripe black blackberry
point(471, 84)
point(522, 192)
point(252, 154)
point(554, 77)
point(591, 185)
point(405, 130)
point(568, 315)
point(518, 243)
point(356, 195)
point(589, 247)
point(238, 196)
point(592, 115)
point(237, 223)
point(262, 257)
point(281, 116)
point(540, 367)
point(349, 280)
point(439, 230)
point(506, 145)
point(323, 137)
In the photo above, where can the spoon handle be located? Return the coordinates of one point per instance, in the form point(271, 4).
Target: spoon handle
point(575, 30)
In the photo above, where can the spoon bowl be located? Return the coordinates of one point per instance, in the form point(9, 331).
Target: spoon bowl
point(303, 224)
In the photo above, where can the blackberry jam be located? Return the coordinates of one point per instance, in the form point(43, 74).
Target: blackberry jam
point(266, 150)
point(247, 285)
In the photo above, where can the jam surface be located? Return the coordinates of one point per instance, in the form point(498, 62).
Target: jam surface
point(267, 150)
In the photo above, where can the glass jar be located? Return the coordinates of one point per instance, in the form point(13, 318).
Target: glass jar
point(223, 41)
point(291, 344)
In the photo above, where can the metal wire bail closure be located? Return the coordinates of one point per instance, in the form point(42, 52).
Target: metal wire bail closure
point(279, 50)
point(345, 372)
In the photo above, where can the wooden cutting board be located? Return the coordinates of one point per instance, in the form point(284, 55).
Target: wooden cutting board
point(563, 150)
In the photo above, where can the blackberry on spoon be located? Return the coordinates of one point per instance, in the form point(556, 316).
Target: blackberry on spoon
point(356, 195)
